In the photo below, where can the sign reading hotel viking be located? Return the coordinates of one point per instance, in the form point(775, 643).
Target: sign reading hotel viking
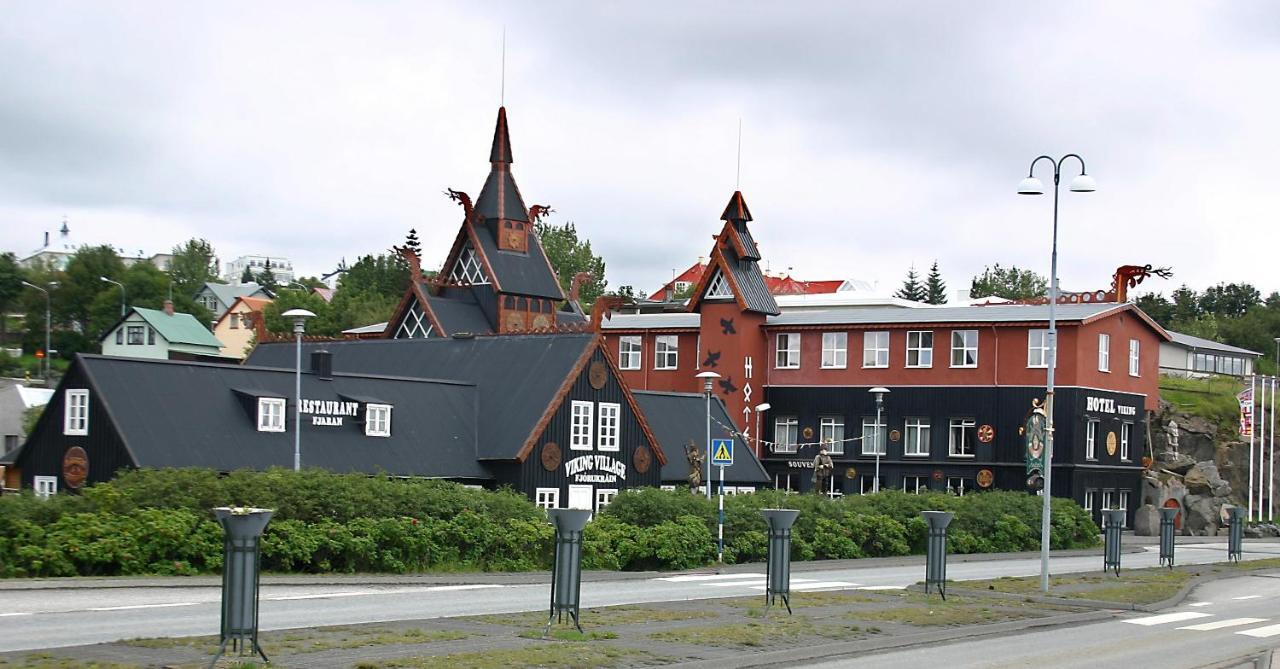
point(584, 467)
point(329, 412)
point(1107, 405)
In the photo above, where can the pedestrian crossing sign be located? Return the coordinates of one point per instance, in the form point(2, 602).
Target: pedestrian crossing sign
point(722, 452)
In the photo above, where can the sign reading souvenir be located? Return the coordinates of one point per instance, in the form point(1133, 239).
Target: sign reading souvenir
point(800, 464)
point(722, 452)
point(1034, 431)
point(75, 467)
point(985, 478)
point(1108, 405)
point(596, 468)
point(1111, 443)
point(1246, 412)
point(986, 433)
point(328, 412)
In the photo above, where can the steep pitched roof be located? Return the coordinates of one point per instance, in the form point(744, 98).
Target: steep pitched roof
point(680, 418)
point(178, 328)
point(227, 294)
point(734, 256)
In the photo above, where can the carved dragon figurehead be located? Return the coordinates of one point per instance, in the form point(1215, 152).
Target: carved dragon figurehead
point(1129, 276)
point(415, 263)
point(462, 199)
point(575, 286)
point(537, 211)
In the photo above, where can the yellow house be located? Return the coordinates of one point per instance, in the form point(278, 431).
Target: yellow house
point(236, 328)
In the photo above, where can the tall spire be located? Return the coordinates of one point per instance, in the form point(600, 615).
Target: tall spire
point(736, 210)
point(501, 152)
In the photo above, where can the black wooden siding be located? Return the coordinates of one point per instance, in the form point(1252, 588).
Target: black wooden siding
point(45, 448)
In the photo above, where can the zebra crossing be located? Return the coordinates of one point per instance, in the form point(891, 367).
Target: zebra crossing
point(752, 581)
point(1209, 622)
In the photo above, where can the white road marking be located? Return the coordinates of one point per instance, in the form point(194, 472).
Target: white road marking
point(1219, 624)
point(1201, 604)
point(20, 613)
point(883, 587)
point(1167, 618)
point(142, 606)
point(453, 588)
point(1249, 597)
point(814, 585)
point(708, 577)
point(323, 595)
point(1262, 632)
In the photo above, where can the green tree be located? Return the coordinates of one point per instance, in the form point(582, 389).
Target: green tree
point(267, 278)
point(382, 275)
point(310, 282)
point(1010, 283)
point(1230, 300)
point(247, 275)
point(411, 242)
point(11, 278)
point(569, 255)
point(355, 309)
point(194, 264)
point(74, 298)
point(146, 287)
point(935, 287)
point(912, 289)
point(323, 325)
point(1186, 305)
point(1157, 306)
point(628, 292)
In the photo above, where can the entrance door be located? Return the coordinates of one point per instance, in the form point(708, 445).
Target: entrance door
point(581, 497)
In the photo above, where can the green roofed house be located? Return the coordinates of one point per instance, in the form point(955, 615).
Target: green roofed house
point(162, 335)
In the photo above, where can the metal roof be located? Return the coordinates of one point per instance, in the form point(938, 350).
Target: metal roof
point(677, 419)
point(1200, 343)
point(520, 273)
point(1004, 313)
point(652, 321)
point(227, 293)
point(459, 315)
point(179, 328)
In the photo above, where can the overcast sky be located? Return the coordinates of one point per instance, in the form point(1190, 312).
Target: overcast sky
point(874, 135)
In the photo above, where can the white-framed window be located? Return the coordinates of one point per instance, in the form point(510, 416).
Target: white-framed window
point(415, 325)
point(1091, 440)
point(630, 352)
point(119, 336)
point(604, 496)
point(666, 352)
point(1123, 505)
point(270, 414)
point(1133, 357)
point(875, 349)
point(963, 438)
point(786, 482)
point(75, 412)
point(835, 350)
point(719, 288)
point(831, 433)
point(788, 353)
point(467, 269)
point(964, 348)
point(867, 484)
point(916, 439)
point(1038, 348)
point(580, 425)
point(919, 348)
point(151, 336)
point(233, 320)
point(609, 413)
point(1125, 430)
point(1104, 352)
point(915, 484)
point(136, 334)
point(547, 498)
point(786, 433)
point(872, 438)
point(377, 420)
point(46, 486)
point(959, 485)
point(1090, 500)
point(1108, 499)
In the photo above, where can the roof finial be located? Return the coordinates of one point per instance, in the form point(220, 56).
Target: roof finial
point(737, 178)
point(502, 94)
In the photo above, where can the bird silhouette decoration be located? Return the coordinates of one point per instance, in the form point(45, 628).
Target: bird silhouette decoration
point(726, 326)
point(726, 386)
point(713, 359)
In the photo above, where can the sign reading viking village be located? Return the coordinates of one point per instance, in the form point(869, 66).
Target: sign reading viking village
point(329, 412)
point(612, 470)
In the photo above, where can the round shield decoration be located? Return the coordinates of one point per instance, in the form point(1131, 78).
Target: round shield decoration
point(807, 432)
point(851, 473)
point(75, 467)
point(1111, 443)
point(937, 474)
point(986, 433)
point(550, 456)
point(642, 458)
point(985, 478)
point(597, 375)
point(895, 435)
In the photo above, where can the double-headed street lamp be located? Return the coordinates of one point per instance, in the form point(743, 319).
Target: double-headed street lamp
point(707, 379)
point(299, 317)
point(1082, 183)
point(51, 284)
point(122, 309)
point(879, 392)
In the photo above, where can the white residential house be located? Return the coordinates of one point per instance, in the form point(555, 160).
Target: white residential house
point(218, 297)
point(162, 335)
point(281, 268)
point(1189, 356)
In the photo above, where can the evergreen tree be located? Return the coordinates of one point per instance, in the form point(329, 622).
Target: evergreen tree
point(266, 278)
point(935, 287)
point(247, 275)
point(1010, 283)
point(411, 242)
point(912, 289)
point(568, 255)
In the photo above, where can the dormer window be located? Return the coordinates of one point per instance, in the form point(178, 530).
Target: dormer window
point(270, 414)
point(719, 287)
point(466, 269)
point(377, 420)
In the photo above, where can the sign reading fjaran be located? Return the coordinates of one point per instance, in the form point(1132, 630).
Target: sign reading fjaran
point(1107, 405)
point(580, 468)
point(329, 412)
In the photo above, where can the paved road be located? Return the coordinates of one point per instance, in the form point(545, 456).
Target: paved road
point(32, 619)
point(1221, 621)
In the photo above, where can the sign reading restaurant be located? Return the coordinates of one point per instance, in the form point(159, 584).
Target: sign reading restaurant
point(1107, 405)
point(328, 412)
point(613, 470)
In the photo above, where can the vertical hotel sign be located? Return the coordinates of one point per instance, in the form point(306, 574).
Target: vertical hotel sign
point(1246, 412)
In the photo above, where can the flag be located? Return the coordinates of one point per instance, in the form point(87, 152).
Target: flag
point(1246, 412)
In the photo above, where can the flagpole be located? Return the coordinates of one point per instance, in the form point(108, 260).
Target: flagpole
point(1261, 429)
point(1252, 379)
point(1271, 480)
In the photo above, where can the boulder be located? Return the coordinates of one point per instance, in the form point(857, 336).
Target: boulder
point(1201, 515)
point(1223, 489)
point(1146, 521)
point(1178, 463)
point(1197, 480)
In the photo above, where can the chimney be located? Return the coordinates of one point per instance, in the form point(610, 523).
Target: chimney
point(46, 239)
point(168, 307)
point(322, 365)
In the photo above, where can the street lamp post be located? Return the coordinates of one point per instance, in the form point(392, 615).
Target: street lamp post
point(46, 323)
point(299, 317)
point(122, 301)
point(1083, 183)
point(879, 392)
point(760, 408)
point(707, 379)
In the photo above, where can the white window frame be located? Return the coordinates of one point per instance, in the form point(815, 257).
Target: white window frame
point(1123, 497)
point(547, 498)
point(961, 337)
point(1104, 352)
point(581, 421)
point(120, 336)
point(604, 496)
point(835, 350)
point(1126, 430)
point(1091, 439)
point(866, 483)
point(924, 354)
point(608, 424)
point(789, 427)
point(1090, 499)
point(959, 489)
point(135, 329)
point(586, 492)
point(963, 427)
point(271, 414)
point(630, 352)
point(1041, 347)
point(922, 431)
point(75, 412)
point(921, 483)
point(377, 420)
point(831, 434)
point(45, 486)
point(1108, 499)
point(874, 355)
point(719, 288)
point(666, 352)
point(1135, 357)
point(786, 482)
point(787, 355)
point(869, 434)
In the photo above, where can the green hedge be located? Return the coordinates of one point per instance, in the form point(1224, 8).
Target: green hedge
point(158, 522)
